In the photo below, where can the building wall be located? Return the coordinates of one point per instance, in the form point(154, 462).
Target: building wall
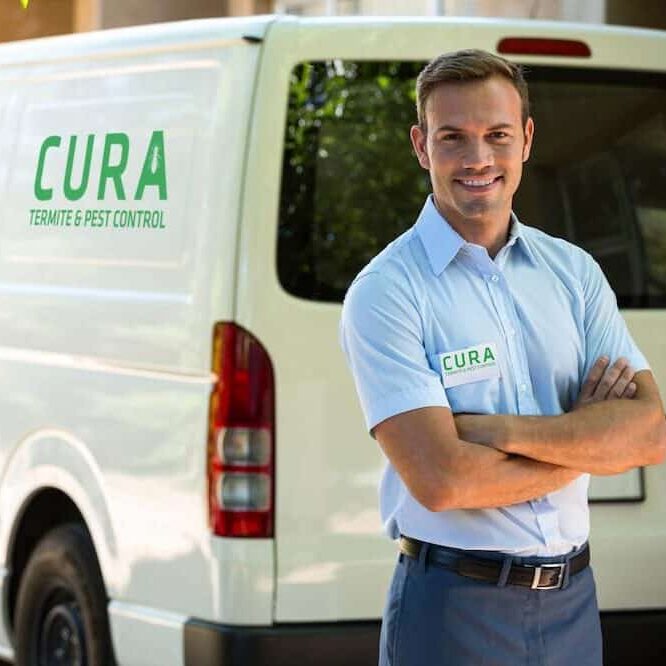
point(56, 17)
point(119, 13)
point(41, 18)
point(643, 13)
point(591, 11)
point(53, 17)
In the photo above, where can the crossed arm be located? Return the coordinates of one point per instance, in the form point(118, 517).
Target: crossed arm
point(474, 461)
point(600, 438)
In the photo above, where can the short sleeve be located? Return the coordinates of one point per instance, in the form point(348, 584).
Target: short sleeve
point(606, 332)
point(381, 336)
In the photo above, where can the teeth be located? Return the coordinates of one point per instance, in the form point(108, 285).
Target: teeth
point(477, 183)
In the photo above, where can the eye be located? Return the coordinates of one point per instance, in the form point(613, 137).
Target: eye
point(499, 134)
point(450, 136)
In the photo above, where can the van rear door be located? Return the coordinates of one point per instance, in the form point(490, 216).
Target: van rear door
point(334, 106)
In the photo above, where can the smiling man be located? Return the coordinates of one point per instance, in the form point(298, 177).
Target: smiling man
point(490, 361)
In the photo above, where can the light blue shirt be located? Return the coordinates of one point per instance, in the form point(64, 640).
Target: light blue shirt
point(547, 310)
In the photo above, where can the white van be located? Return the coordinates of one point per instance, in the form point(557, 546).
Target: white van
point(185, 477)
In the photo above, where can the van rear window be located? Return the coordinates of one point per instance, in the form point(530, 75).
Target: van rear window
point(351, 183)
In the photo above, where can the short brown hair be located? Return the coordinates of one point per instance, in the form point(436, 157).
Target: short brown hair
point(463, 66)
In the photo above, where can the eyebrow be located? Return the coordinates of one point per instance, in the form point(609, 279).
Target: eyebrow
point(452, 128)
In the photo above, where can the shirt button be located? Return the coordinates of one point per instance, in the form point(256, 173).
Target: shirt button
point(523, 388)
point(494, 278)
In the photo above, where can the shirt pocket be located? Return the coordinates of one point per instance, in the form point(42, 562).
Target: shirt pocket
point(480, 396)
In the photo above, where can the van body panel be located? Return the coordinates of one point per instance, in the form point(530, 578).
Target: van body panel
point(631, 537)
point(107, 329)
point(129, 450)
point(243, 580)
point(134, 628)
point(114, 439)
point(330, 553)
point(120, 157)
point(177, 37)
point(421, 38)
point(55, 459)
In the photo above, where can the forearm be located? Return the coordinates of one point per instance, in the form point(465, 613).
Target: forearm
point(602, 438)
point(486, 478)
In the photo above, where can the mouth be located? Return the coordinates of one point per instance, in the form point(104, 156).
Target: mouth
point(479, 185)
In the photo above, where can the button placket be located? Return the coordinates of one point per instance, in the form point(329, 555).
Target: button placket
point(501, 299)
point(524, 395)
point(547, 520)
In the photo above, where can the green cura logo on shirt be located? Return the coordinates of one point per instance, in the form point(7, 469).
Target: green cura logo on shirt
point(471, 364)
point(467, 357)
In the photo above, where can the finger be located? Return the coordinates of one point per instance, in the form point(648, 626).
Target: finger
point(611, 375)
point(618, 389)
point(592, 379)
point(630, 391)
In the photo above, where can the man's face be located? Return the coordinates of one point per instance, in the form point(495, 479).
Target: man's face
point(474, 148)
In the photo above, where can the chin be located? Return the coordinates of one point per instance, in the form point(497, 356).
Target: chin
point(476, 209)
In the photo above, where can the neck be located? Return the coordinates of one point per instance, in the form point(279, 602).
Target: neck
point(490, 231)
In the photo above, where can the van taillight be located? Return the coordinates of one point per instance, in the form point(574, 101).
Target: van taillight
point(541, 46)
point(241, 440)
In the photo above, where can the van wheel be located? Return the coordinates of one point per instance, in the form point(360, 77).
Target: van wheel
point(61, 607)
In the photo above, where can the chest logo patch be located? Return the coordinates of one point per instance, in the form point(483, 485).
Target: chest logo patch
point(472, 364)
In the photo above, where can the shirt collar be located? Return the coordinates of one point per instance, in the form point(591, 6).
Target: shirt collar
point(518, 236)
point(442, 242)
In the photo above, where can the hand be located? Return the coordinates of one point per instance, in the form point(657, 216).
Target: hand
point(607, 382)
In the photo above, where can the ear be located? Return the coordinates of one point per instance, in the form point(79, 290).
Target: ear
point(529, 135)
point(419, 143)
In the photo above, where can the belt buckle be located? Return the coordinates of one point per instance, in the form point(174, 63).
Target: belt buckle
point(560, 576)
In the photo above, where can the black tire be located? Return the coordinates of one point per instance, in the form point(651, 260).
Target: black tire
point(61, 613)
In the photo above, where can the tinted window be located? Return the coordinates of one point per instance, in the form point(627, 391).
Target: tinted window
point(351, 183)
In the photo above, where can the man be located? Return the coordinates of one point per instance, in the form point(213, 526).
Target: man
point(469, 338)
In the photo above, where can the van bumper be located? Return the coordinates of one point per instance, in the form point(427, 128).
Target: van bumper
point(349, 643)
point(636, 638)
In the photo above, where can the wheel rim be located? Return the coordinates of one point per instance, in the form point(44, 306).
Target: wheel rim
point(61, 635)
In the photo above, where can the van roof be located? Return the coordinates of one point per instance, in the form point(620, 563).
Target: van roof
point(156, 35)
point(606, 40)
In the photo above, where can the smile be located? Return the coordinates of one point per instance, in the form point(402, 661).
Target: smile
point(478, 183)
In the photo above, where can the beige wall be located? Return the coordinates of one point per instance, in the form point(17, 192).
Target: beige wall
point(55, 17)
point(42, 17)
point(643, 13)
point(119, 13)
point(245, 7)
point(590, 11)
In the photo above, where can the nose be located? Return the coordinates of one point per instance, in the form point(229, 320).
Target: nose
point(478, 155)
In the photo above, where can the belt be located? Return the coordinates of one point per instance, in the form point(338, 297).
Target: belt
point(549, 576)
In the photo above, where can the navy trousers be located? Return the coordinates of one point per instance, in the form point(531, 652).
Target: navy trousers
point(435, 617)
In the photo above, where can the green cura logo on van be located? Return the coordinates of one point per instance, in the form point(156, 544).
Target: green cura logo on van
point(116, 151)
point(105, 169)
